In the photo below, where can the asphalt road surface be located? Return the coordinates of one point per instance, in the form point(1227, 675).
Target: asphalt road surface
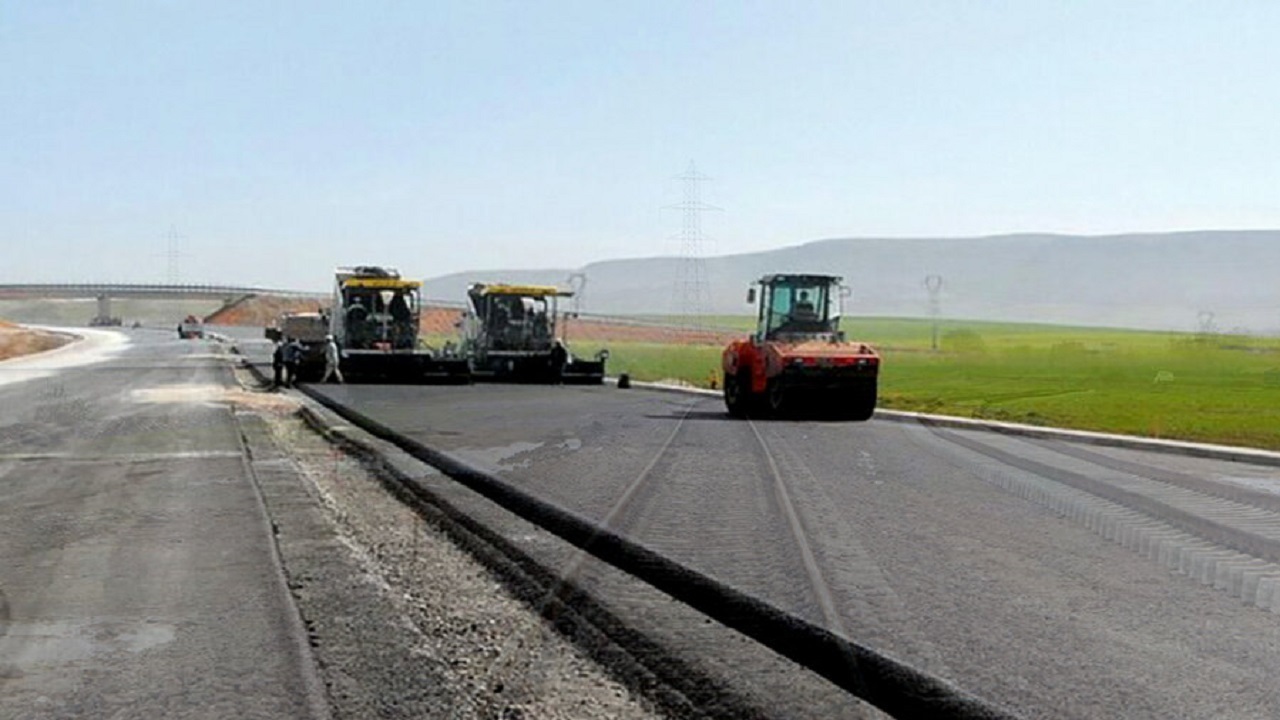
point(137, 576)
point(1008, 566)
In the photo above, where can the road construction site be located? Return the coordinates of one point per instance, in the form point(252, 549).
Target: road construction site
point(291, 554)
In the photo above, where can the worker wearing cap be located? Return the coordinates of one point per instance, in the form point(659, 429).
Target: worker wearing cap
point(331, 358)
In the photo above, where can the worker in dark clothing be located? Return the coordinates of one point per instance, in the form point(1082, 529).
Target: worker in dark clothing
point(277, 364)
point(559, 359)
point(292, 359)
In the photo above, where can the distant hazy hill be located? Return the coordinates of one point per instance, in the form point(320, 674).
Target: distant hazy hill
point(1163, 280)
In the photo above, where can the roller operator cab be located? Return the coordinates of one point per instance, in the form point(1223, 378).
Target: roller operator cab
point(510, 333)
point(798, 361)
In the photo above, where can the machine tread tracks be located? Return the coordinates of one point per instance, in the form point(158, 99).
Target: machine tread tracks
point(1221, 543)
point(636, 494)
point(1261, 499)
point(821, 589)
point(879, 604)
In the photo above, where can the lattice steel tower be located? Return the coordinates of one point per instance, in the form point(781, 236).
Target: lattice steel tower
point(173, 255)
point(692, 295)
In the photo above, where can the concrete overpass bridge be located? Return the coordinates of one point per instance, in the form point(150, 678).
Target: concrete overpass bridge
point(105, 292)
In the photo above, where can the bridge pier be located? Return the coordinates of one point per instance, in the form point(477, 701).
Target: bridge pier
point(104, 316)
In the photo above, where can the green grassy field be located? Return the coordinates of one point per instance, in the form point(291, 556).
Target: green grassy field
point(1220, 388)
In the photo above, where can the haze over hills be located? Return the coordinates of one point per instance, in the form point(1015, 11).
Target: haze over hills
point(1147, 280)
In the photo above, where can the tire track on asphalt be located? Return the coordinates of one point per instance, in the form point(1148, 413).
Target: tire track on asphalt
point(717, 511)
point(817, 581)
point(879, 616)
point(626, 504)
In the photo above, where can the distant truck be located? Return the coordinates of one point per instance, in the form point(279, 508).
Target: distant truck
point(190, 328)
point(309, 329)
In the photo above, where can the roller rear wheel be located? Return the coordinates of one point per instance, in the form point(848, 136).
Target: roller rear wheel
point(736, 395)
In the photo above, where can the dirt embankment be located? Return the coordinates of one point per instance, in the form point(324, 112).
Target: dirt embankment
point(262, 311)
point(16, 341)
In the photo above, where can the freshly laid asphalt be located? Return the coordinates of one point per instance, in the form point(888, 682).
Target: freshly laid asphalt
point(924, 551)
point(137, 571)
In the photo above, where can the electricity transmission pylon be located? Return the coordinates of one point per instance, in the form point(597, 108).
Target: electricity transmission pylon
point(692, 295)
point(172, 255)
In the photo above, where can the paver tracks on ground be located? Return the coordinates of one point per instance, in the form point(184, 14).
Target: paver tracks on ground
point(1215, 533)
point(878, 613)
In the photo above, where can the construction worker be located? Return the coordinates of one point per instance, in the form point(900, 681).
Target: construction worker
point(277, 364)
point(559, 359)
point(331, 359)
point(292, 359)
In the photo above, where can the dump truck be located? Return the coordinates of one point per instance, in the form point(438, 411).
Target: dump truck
point(190, 328)
point(510, 334)
point(798, 361)
point(309, 329)
point(375, 320)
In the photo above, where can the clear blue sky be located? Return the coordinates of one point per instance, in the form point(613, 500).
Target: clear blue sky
point(283, 138)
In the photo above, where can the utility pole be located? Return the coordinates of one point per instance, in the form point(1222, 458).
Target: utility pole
point(933, 284)
point(691, 288)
